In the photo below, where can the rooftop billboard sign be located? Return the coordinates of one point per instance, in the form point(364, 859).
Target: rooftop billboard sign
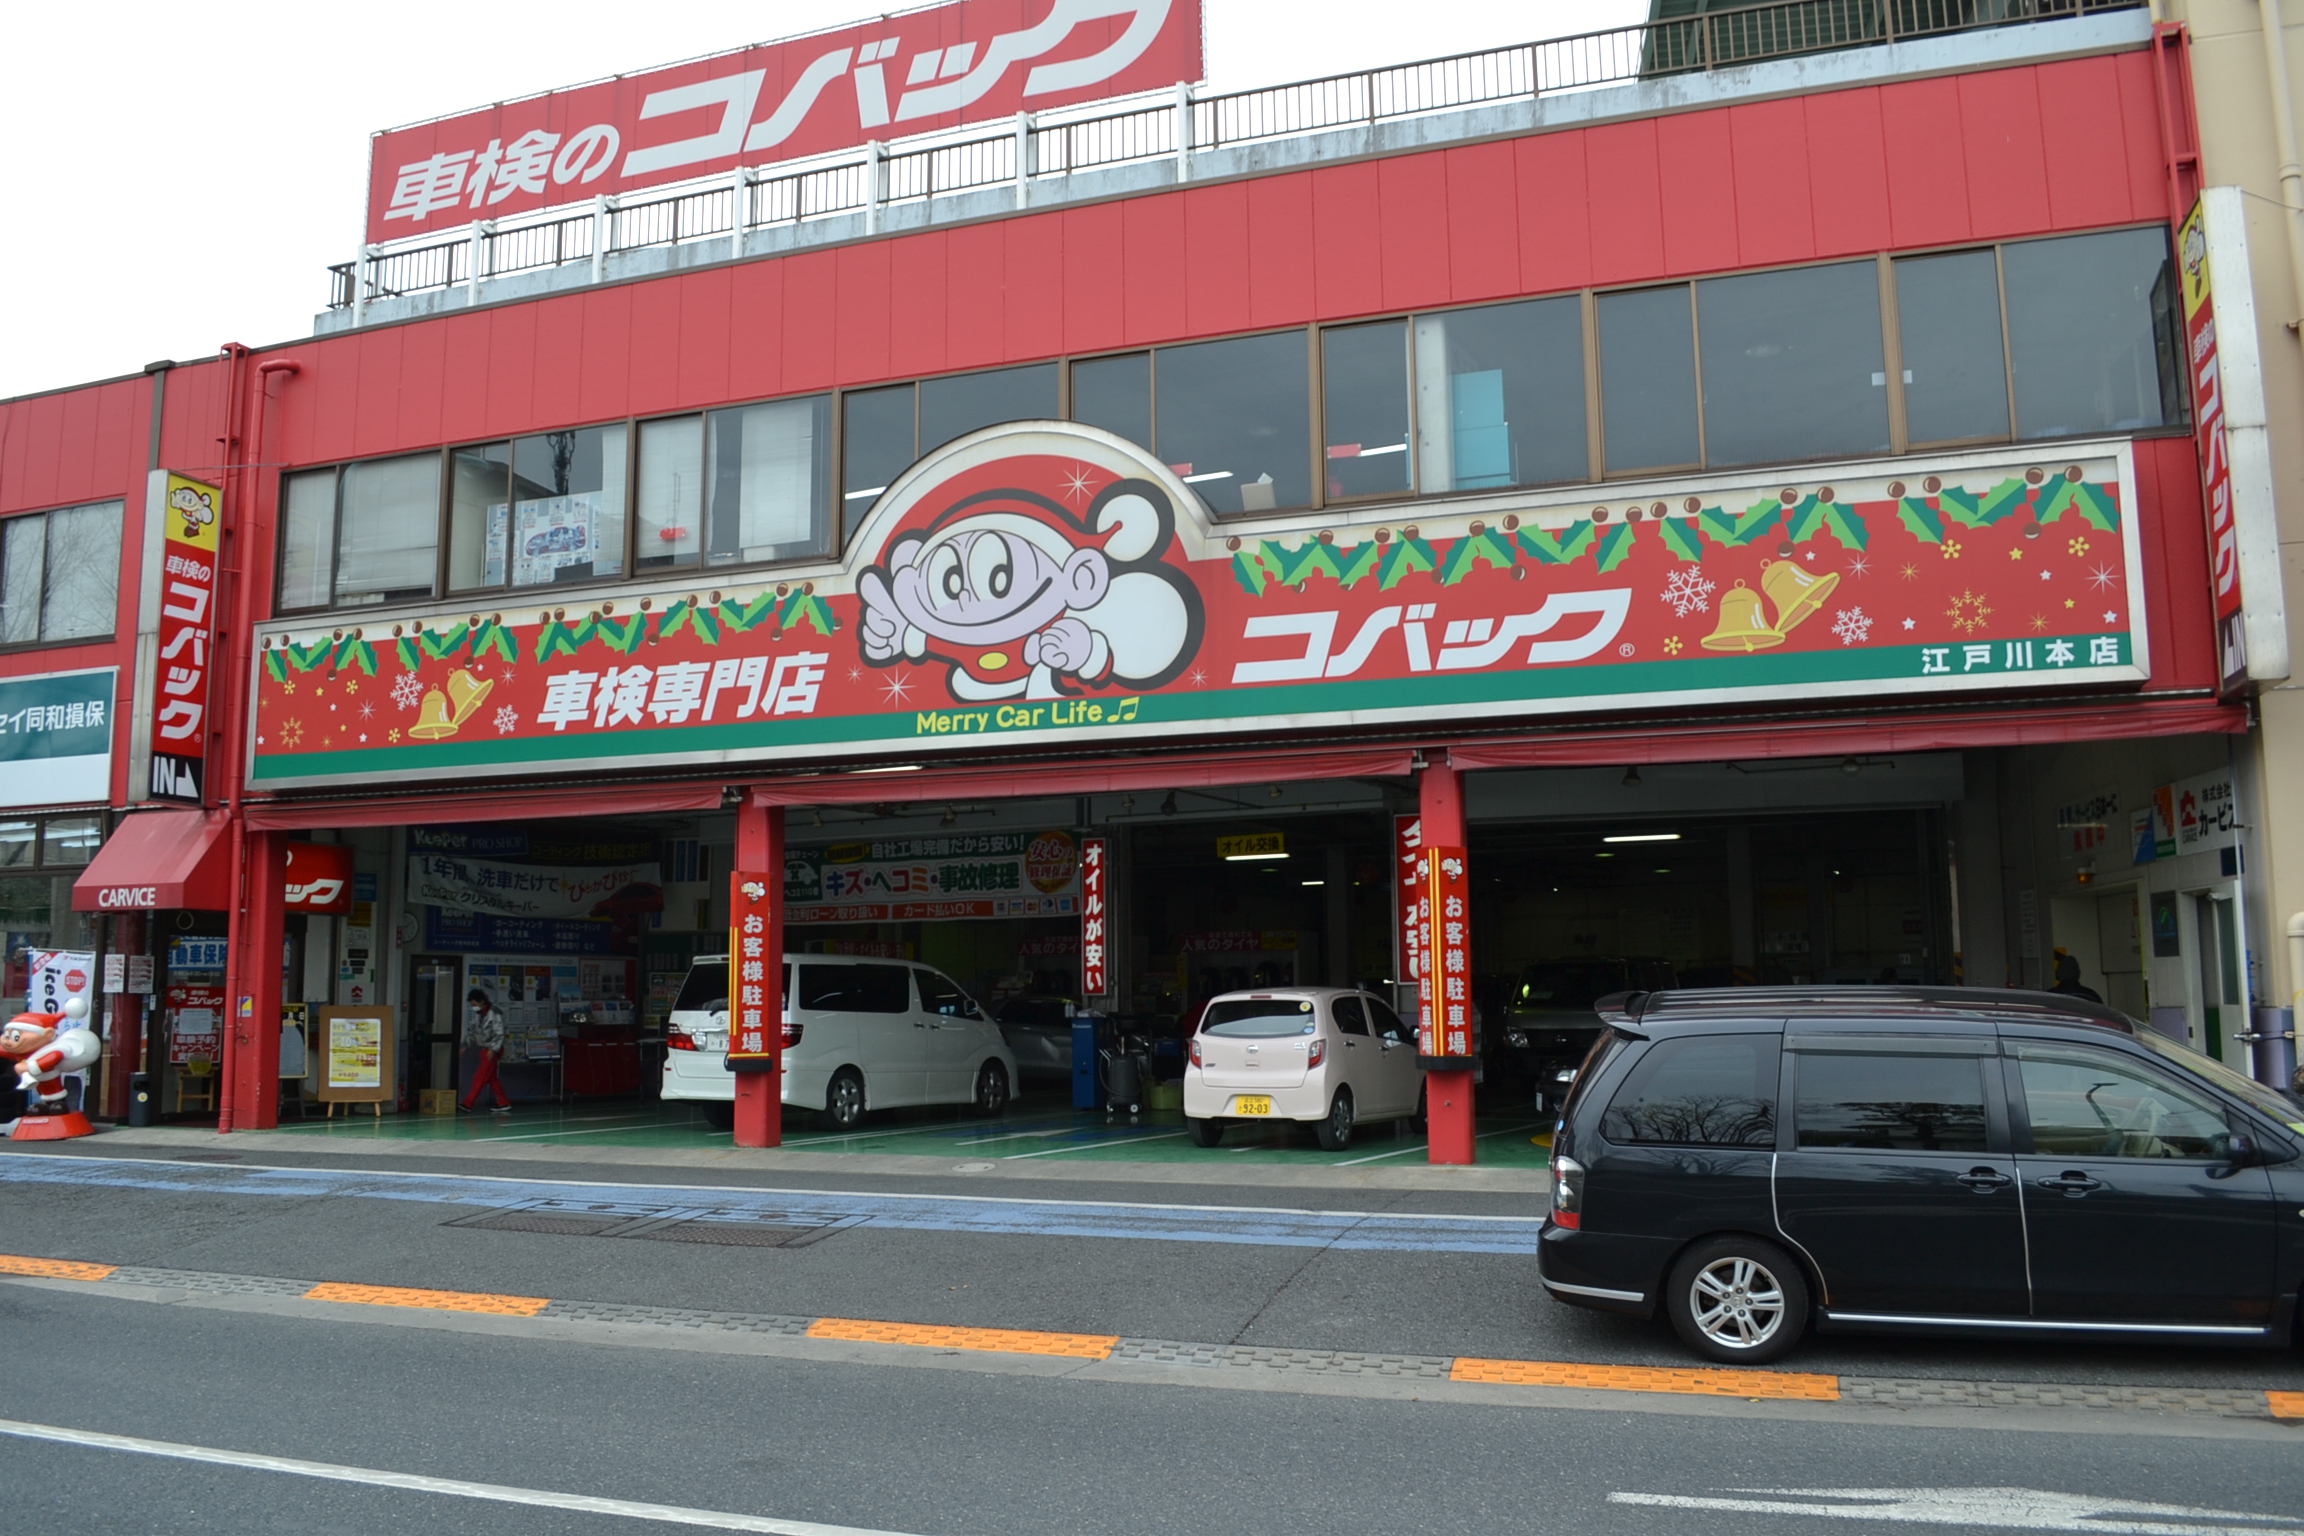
point(940, 67)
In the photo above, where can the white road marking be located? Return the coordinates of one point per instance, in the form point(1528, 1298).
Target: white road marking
point(542, 1498)
point(1125, 1141)
point(2007, 1509)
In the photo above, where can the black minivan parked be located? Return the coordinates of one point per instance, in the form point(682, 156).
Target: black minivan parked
point(1920, 1160)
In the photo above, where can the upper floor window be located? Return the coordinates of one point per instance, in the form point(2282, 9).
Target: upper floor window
point(1234, 419)
point(1500, 396)
point(736, 486)
point(60, 574)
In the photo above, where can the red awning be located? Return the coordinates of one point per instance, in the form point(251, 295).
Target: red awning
point(160, 860)
point(542, 803)
point(1106, 776)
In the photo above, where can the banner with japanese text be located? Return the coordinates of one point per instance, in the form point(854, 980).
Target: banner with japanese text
point(56, 738)
point(1443, 957)
point(524, 890)
point(181, 684)
point(948, 876)
point(755, 970)
point(2208, 428)
point(1095, 855)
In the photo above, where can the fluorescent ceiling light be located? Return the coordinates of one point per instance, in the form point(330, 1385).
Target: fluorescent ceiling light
point(868, 491)
point(1315, 882)
point(893, 768)
point(1243, 858)
point(1214, 474)
point(1643, 837)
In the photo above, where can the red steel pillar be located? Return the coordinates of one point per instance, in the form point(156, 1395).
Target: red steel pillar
point(1448, 1095)
point(259, 929)
point(760, 1095)
point(126, 1042)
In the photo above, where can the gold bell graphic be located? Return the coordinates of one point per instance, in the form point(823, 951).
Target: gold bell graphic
point(1795, 593)
point(1742, 627)
point(444, 714)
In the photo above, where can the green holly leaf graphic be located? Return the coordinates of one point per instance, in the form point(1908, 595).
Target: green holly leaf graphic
point(1486, 547)
point(1357, 563)
point(411, 656)
point(1921, 520)
point(1846, 524)
point(274, 667)
point(1682, 538)
point(2093, 502)
point(1314, 559)
point(1556, 547)
point(1615, 545)
point(1401, 557)
point(743, 616)
point(1257, 568)
point(441, 644)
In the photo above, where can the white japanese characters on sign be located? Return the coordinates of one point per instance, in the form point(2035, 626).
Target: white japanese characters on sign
point(1095, 852)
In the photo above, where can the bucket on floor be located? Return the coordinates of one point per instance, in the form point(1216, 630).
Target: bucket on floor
point(1164, 1096)
point(436, 1101)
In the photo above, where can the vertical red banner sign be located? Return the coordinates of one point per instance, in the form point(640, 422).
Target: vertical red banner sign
point(1444, 982)
point(1095, 860)
point(2215, 456)
point(1407, 899)
point(755, 973)
point(179, 703)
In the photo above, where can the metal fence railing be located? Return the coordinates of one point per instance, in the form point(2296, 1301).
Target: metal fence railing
point(1173, 129)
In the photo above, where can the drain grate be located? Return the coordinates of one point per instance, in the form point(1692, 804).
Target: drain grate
point(555, 1222)
point(726, 1234)
point(772, 1229)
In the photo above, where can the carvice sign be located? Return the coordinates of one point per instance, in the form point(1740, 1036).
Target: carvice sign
point(940, 67)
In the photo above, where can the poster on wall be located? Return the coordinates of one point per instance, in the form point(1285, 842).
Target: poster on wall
point(958, 875)
point(1044, 584)
point(195, 1024)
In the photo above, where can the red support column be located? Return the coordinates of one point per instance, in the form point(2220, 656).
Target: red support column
point(127, 1035)
point(1448, 1095)
point(251, 1088)
point(760, 1095)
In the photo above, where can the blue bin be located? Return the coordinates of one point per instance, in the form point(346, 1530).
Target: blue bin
point(1087, 1082)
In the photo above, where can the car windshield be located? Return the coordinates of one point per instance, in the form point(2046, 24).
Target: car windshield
point(1259, 1018)
point(706, 989)
point(2254, 1094)
point(1569, 983)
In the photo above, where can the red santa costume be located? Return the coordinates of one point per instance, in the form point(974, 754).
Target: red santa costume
point(45, 1047)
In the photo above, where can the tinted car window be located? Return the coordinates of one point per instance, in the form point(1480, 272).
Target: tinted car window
point(1569, 984)
point(856, 988)
point(705, 990)
point(1259, 1018)
point(1708, 1091)
point(1891, 1103)
point(2086, 1103)
point(1349, 1018)
point(1386, 1021)
point(939, 995)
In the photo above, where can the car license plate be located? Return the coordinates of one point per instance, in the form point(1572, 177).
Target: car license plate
point(1252, 1104)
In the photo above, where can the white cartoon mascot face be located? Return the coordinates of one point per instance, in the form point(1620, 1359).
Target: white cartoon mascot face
point(1023, 599)
point(194, 508)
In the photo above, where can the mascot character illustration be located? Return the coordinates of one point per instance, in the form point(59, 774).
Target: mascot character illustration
point(45, 1046)
point(196, 510)
point(1023, 599)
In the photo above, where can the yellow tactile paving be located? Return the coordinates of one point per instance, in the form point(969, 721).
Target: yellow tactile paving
point(1643, 1378)
point(2286, 1405)
point(53, 1269)
point(1005, 1341)
point(436, 1301)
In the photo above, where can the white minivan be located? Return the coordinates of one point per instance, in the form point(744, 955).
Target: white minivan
point(859, 1035)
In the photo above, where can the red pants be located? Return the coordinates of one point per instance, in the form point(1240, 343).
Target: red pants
point(484, 1077)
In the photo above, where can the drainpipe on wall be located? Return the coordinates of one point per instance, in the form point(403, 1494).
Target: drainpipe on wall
point(2284, 135)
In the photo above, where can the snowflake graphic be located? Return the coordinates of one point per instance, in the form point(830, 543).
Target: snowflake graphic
point(1859, 566)
point(367, 709)
point(2078, 547)
point(2103, 577)
point(351, 685)
point(1968, 612)
point(506, 675)
point(1951, 550)
point(507, 720)
point(1852, 626)
point(407, 692)
point(1688, 592)
point(392, 734)
point(1671, 645)
point(1910, 571)
point(292, 734)
point(898, 687)
point(2039, 623)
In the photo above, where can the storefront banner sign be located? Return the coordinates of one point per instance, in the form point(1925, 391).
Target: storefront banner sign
point(448, 931)
point(194, 954)
point(520, 890)
point(319, 878)
point(755, 970)
point(971, 61)
point(2085, 828)
point(1444, 955)
point(1047, 584)
point(974, 875)
point(1251, 941)
point(181, 688)
point(2215, 450)
point(1408, 898)
point(58, 975)
point(1095, 853)
point(2207, 817)
point(56, 738)
point(195, 1024)
point(517, 842)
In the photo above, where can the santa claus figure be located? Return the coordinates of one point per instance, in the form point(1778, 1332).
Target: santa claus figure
point(45, 1046)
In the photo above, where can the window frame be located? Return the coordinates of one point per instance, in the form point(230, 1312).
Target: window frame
point(42, 642)
point(106, 822)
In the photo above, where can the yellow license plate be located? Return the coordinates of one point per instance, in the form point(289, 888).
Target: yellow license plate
point(1252, 1104)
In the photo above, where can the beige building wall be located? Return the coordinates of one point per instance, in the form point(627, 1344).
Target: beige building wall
point(2240, 146)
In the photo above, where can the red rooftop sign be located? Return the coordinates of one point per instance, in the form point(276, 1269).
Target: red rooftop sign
point(921, 71)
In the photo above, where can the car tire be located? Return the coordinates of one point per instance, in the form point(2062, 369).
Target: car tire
point(1737, 1300)
point(1204, 1133)
point(720, 1117)
point(1335, 1128)
point(991, 1100)
point(844, 1100)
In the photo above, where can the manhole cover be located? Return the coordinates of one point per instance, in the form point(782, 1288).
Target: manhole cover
point(971, 1167)
point(729, 1234)
point(559, 1223)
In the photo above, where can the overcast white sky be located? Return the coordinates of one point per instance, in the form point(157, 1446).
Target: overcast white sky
point(183, 175)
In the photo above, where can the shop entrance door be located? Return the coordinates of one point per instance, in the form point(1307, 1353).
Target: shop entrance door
point(432, 1019)
point(2120, 950)
point(2223, 1004)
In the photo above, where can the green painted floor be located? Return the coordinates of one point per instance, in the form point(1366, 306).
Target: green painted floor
point(1039, 1127)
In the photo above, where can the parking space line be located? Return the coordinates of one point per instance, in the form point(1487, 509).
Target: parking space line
point(1088, 1146)
point(1380, 1156)
point(2286, 1405)
point(433, 1301)
point(1003, 1341)
point(53, 1269)
point(1644, 1378)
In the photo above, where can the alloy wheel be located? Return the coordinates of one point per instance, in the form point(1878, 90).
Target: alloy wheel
point(1736, 1303)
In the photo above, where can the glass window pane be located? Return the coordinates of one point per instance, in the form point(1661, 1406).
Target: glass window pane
point(567, 506)
point(2093, 334)
point(1365, 370)
point(1706, 1091)
point(307, 539)
point(1115, 393)
point(671, 493)
point(1236, 419)
point(479, 515)
point(1647, 379)
point(764, 485)
point(83, 597)
point(1892, 1103)
point(2087, 1103)
point(878, 449)
point(1955, 367)
point(23, 565)
point(1793, 366)
point(18, 841)
point(70, 841)
point(389, 537)
point(1500, 396)
point(954, 407)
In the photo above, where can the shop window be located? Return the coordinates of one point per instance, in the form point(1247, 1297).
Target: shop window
point(1891, 1103)
point(881, 426)
point(1500, 396)
point(1115, 393)
point(764, 481)
point(1234, 420)
point(1648, 380)
point(479, 515)
point(60, 574)
point(1708, 1091)
point(2093, 334)
point(388, 530)
point(955, 407)
point(307, 539)
point(1955, 360)
point(567, 515)
point(68, 842)
point(671, 493)
point(1364, 397)
point(19, 843)
point(1793, 364)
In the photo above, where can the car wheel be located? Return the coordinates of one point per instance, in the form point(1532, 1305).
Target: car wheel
point(1335, 1132)
point(992, 1090)
point(1204, 1133)
point(1737, 1300)
point(844, 1100)
point(720, 1117)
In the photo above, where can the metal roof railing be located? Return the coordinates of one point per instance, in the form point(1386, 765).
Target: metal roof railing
point(881, 176)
